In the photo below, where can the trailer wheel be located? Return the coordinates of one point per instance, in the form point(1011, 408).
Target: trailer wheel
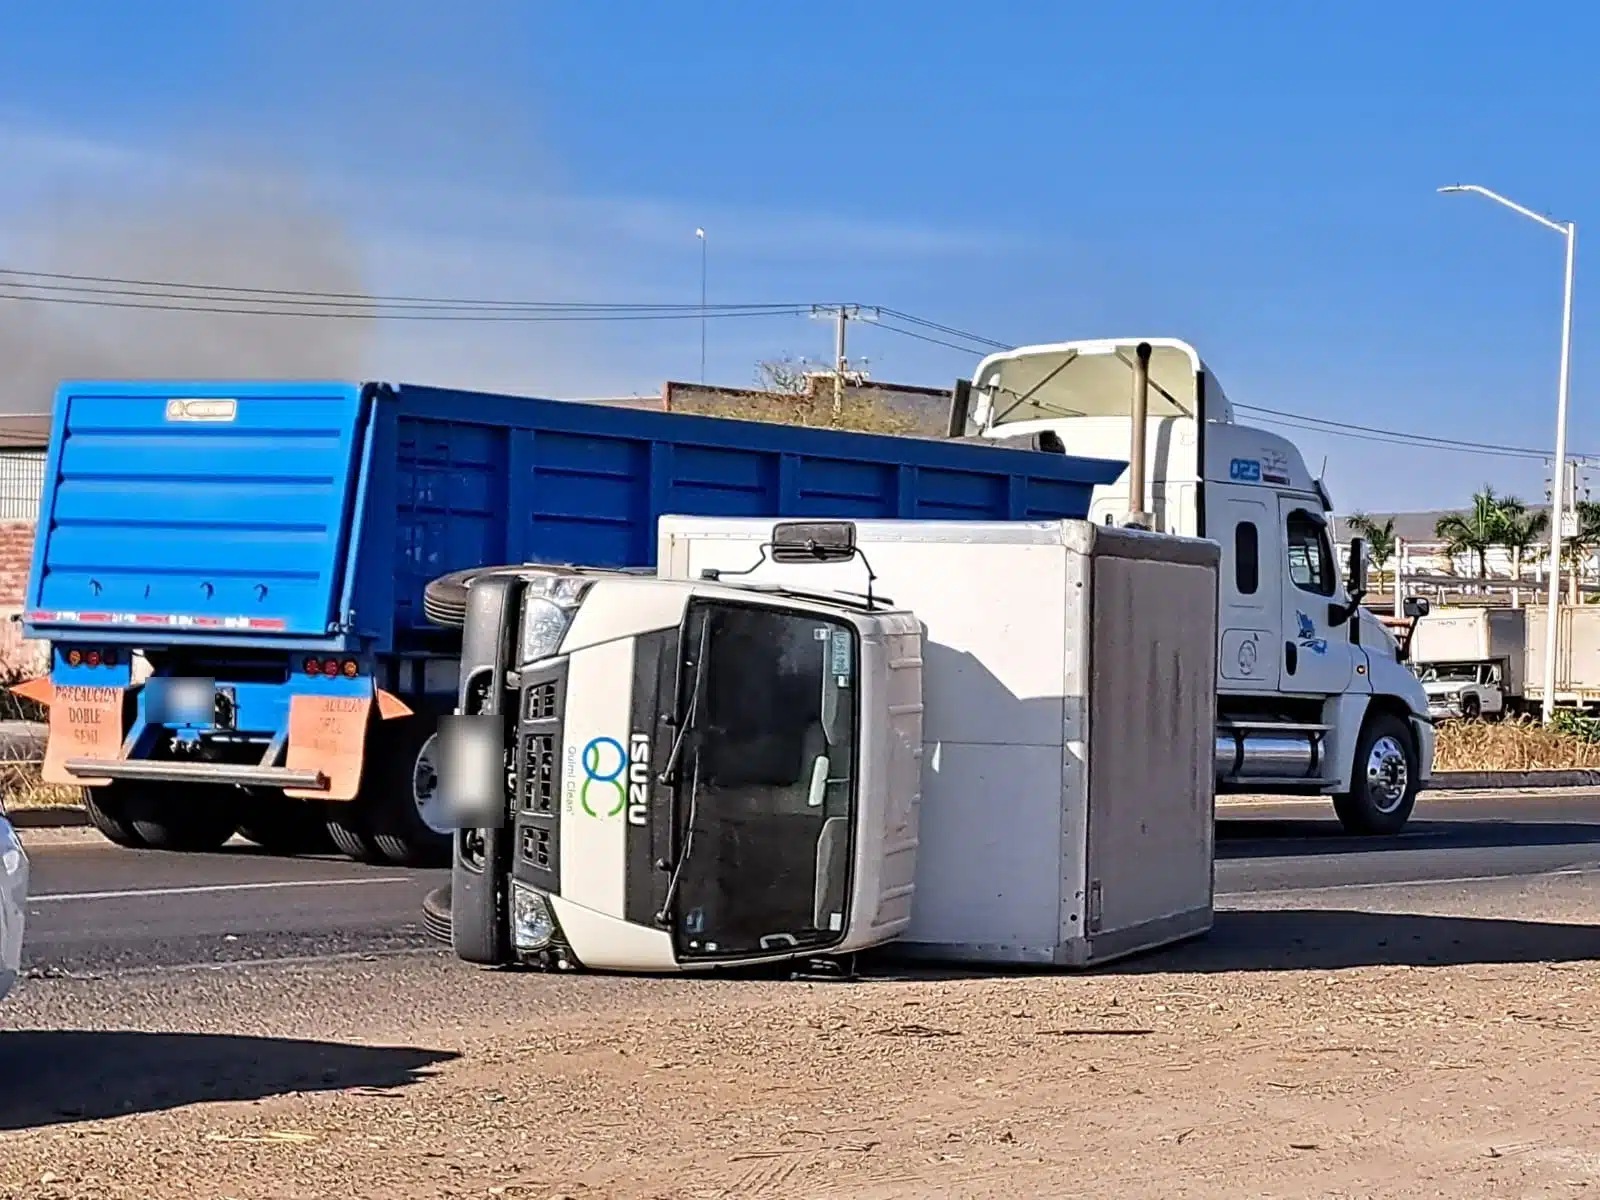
point(280, 825)
point(1384, 781)
point(407, 823)
point(107, 810)
point(195, 819)
point(350, 831)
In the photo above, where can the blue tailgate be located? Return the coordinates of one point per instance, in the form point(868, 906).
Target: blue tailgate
point(196, 508)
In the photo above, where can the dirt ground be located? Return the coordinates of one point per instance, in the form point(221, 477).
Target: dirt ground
point(1460, 1081)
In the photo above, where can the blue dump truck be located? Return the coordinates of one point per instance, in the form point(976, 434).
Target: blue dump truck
point(232, 576)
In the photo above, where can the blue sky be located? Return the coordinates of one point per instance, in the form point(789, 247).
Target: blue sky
point(1261, 183)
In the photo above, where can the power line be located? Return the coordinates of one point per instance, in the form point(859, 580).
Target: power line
point(220, 306)
point(155, 295)
point(116, 285)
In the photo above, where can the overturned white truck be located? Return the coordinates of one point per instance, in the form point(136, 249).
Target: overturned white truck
point(684, 774)
point(1313, 693)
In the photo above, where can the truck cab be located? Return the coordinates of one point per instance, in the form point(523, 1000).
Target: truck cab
point(1313, 692)
point(664, 776)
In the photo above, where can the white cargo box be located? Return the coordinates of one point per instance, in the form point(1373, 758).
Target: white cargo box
point(1069, 691)
point(1577, 654)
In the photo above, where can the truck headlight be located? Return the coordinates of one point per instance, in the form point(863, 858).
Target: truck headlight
point(547, 610)
point(544, 624)
point(532, 925)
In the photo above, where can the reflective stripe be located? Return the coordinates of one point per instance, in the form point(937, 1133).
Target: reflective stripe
point(165, 619)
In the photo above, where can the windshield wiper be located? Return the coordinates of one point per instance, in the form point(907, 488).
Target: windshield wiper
point(694, 703)
point(665, 914)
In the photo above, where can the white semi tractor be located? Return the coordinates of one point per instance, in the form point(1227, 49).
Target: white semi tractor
point(1313, 693)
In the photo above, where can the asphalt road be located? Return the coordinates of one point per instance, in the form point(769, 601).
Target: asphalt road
point(98, 909)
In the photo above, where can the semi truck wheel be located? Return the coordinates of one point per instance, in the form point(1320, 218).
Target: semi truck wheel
point(350, 831)
point(388, 821)
point(195, 818)
point(280, 825)
point(1384, 780)
point(108, 813)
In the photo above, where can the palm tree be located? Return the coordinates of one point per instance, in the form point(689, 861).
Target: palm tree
point(1380, 538)
point(1519, 530)
point(1474, 531)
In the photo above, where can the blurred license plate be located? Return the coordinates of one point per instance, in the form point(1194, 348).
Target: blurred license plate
point(472, 771)
point(180, 701)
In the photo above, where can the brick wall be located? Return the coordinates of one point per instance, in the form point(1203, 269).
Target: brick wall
point(16, 556)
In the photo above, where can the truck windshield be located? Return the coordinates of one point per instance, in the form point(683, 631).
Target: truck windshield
point(770, 782)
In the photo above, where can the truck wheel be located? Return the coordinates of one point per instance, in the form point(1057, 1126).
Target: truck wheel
point(1384, 784)
point(196, 819)
point(349, 830)
point(108, 813)
point(280, 825)
point(407, 821)
point(1471, 708)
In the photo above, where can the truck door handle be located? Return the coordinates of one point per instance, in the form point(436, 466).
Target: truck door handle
point(1291, 657)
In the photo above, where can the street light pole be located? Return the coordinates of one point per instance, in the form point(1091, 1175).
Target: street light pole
point(1569, 230)
point(701, 234)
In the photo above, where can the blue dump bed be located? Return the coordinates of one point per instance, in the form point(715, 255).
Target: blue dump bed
point(311, 515)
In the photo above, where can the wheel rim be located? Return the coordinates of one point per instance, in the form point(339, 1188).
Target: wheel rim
point(425, 788)
point(1388, 774)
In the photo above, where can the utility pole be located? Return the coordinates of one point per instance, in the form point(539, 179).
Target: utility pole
point(701, 234)
point(842, 315)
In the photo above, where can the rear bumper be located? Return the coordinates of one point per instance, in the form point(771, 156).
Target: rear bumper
point(198, 772)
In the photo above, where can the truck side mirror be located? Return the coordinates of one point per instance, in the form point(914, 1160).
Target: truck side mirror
point(814, 541)
point(1414, 608)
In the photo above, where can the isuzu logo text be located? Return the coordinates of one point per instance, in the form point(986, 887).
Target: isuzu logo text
point(638, 779)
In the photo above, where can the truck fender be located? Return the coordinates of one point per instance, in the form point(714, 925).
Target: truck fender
point(1344, 715)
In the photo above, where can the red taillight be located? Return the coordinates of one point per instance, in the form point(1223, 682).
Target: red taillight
point(331, 667)
point(313, 667)
point(109, 658)
point(92, 658)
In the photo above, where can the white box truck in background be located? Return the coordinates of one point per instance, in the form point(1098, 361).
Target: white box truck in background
point(1067, 809)
point(1313, 694)
point(1470, 661)
point(1577, 657)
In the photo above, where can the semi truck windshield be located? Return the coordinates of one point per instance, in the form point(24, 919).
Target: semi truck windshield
point(770, 785)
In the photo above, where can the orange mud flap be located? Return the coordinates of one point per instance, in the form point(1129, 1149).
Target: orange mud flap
point(328, 737)
point(85, 727)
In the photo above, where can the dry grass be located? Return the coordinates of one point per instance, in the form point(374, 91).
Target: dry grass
point(1517, 745)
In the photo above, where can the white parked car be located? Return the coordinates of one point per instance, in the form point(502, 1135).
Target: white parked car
point(13, 902)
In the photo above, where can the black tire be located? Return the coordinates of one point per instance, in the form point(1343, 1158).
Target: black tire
point(1471, 708)
point(436, 915)
point(281, 825)
point(350, 831)
point(1368, 808)
point(192, 819)
point(398, 829)
point(108, 813)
